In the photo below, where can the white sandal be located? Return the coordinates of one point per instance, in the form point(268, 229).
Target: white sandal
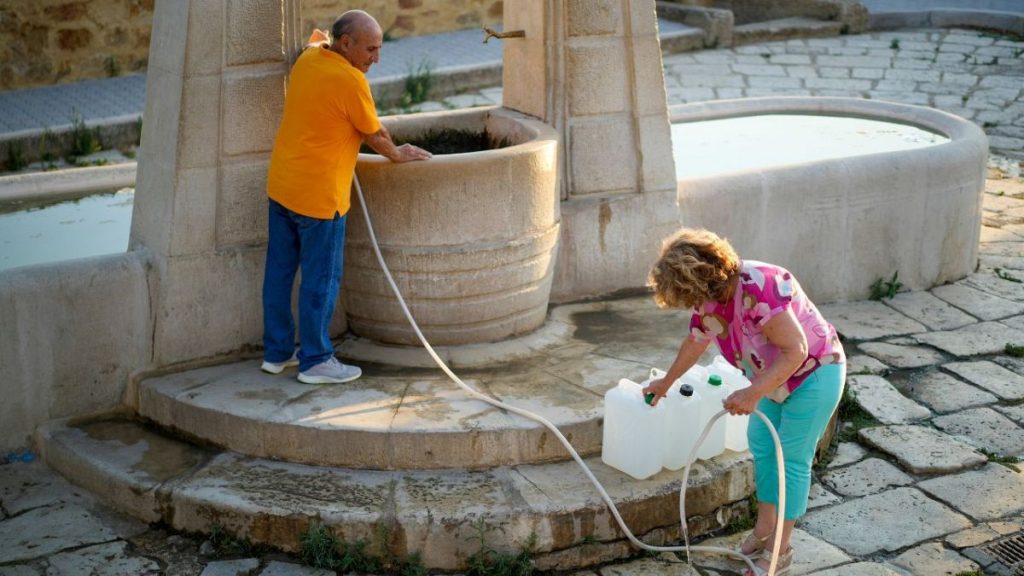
point(781, 569)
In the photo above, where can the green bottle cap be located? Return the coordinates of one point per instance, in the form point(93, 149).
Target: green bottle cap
point(649, 398)
point(715, 380)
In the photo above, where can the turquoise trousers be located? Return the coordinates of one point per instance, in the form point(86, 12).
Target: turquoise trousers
point(800, 421)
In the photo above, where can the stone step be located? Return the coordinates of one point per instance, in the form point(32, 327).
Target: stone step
point(785, 29)
point(438, 513)
point(408, 418)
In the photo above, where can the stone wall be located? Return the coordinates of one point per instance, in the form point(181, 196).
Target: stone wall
point(46, 42)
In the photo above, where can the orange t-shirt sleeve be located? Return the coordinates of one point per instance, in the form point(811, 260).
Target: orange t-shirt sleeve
point(361, 111)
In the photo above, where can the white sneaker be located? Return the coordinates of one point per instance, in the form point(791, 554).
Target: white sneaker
point(278, 367)
point(330, 371)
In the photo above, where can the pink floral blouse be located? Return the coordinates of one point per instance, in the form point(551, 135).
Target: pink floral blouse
point(765, 291)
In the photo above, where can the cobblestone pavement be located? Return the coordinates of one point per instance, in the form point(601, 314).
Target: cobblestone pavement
point(915, 485)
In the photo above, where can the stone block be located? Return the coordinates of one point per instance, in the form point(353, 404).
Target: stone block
point(985, 428)
point(594, 17)
point(205, 49)
point(593, 144)
point(649, 77)
point(933, 558)
point(167, 44)
point(242, 204)
point(981, 304)
point(195, 211)
point(525, 86)
point(922, 450)
point(884, 402)
point(254, 32)
point(868, 477)
point(868, 320)
point(933, 312)
point(658, 162)
point(1002, 382)
point(251, 105)
point(943, 393)
point(596, 78)
point(863, 364)
point(199, 132)
point(277, 568)
point(900, 517)
point(230, 283)
point(643, 16)
point(982, 338)
point(988, 493)
point(902, 356)
point(43, 531)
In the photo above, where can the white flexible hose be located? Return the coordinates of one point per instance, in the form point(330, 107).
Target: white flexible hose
point(780, 507)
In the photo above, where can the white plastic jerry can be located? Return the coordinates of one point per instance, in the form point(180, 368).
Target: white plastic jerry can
point(633, 431)
point(713, 393)
point(735, 425)
point(682, 425)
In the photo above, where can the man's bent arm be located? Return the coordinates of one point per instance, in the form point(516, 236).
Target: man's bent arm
point(382, 143)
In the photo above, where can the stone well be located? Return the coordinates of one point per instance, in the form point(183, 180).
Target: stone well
point(470, 238)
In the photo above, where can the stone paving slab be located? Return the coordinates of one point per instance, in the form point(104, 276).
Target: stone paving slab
point(864, 364)
point(973, 340)
point(1015, 413)
point(977, 303)
point(859, 569)
point(869, 320)
point(922, 450)
point(933, 558)
point(43, 531)
point(985, 532)
point(901, 356)
point(900, 517)
point(240, 567)
point(989, 493)
point(880, 399)
point(819, 496)
point(113, 559)
point(847, 453)
point(23, 487)
point(997, 379)
point(868, 477)
point(289, 569)
point(929, 310)
point(812, 554)
point(985, 428)
point(944, 393)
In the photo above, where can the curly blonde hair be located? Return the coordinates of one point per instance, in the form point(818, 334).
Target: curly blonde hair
point(695, 266)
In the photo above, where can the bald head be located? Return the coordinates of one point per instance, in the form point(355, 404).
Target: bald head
point(357, 37)
point(353, 23)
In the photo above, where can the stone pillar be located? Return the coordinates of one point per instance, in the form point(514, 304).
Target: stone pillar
point(214, 96)
point(593, 70)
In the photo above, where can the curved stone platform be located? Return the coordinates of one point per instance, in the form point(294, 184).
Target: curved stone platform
point(158, 478)
point(414, 418)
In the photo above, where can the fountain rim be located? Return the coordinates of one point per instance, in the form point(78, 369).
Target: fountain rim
point(959, 131)
point(541, 135)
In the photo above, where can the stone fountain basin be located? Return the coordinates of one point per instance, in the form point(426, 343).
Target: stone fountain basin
point(840, 224)
point(470, 238)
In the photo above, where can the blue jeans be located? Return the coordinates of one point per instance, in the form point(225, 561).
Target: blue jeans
point(800, 422)
point(318, 247)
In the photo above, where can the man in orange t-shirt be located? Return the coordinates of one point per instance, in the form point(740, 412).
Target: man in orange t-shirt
point(328, 113)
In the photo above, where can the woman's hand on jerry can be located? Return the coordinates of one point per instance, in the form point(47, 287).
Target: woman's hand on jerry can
point(658, 387)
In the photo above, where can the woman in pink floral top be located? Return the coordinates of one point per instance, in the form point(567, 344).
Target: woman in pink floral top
point(764, 324)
